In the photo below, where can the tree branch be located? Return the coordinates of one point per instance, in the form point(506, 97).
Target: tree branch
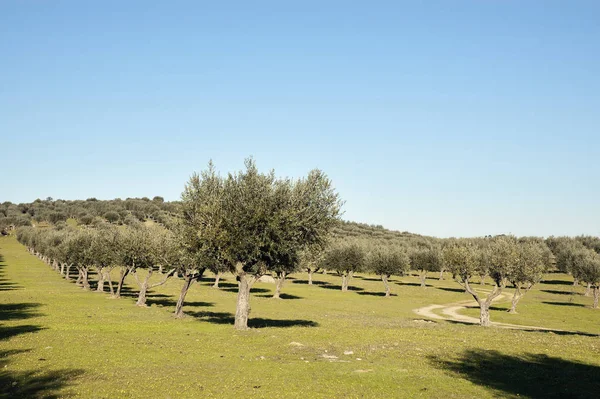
point(171, 272)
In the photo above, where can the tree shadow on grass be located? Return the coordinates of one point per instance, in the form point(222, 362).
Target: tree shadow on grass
point(223, 285)
point(559, 292)
point(36, 384)
point(283, 295)
point(451, 289)
point(339, 287)
point(315, 282)
point(253, 290)
point(6, 284)
point(556, 282)
point(374, 293)
point(528, 375)
point(170, 301)
point(527, 330)
point(229, 318)
point(367, 278)
point(413, 284)
point(563, 304)
point(7, 332)
point(17, 311)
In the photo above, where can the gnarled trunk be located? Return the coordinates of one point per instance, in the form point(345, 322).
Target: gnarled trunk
point(84, 278)
point(79, 277)
point(242, 311)
point(484, 314)
point(423, 276)
point(217, 278)
point(141, 301)
point(110, 285)
point(122, 274)
point(484, 305)
point(280, 280)
point(101, 276)
point(384, 278)
point(515, 299)
point(62, 268)
point(188, 280)
point(68, 275)
point(442, 274)
point(482, 279)
point(596, 295)
point(145, 286)
point(310, 273)
point(346, 276)
point(588, 290)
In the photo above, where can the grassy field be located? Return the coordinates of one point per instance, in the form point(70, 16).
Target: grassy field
point(57, 340)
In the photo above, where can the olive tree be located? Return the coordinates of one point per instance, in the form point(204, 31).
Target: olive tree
point(134, 250)
point(462, 259)
point(533, 261)
point(586, 267)
point(80, 254)
point(426, 259)
point(346, 259)
point(387, 262)
point(162, 252)
point(311, 258)
point(104, 255)
point(257, 222)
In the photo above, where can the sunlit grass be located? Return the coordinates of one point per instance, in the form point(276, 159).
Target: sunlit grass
point(111, 348)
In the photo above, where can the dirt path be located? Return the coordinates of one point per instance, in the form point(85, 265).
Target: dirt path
point(451, 312)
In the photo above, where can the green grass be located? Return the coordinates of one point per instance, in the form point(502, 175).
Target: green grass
point(56, 339)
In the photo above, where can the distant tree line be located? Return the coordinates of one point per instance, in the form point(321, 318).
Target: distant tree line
point(251, 224)
point(88, 212)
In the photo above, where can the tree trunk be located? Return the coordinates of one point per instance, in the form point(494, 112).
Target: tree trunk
point(575, 281)
point(596, 295)
point(384, 278)
point(78, 282)
point(122, 275)
point(442, 274)
point(84, 279)
point(484, 314)
point(141, 301)
point(423, 276)
point(217, 278)
point(279, 285)
point(588, 290)
point(345, 282)
point(110, 285)
point(482, 279)
point(100, 287)
point(515, 299)
point(242, 311)
point(68, 275)
point(310, 273)
point(160, 269)
point(188, 280)
point(62, 269)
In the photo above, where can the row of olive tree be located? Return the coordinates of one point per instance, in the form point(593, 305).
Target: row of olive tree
point(141, 251)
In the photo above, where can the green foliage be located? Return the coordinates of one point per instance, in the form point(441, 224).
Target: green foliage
point(256, 220)
point(112, 216)
point(388, 262)
point(427, 259)
point(345, 258)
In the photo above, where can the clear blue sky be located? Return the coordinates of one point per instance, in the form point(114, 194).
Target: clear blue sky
point(437, 117)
